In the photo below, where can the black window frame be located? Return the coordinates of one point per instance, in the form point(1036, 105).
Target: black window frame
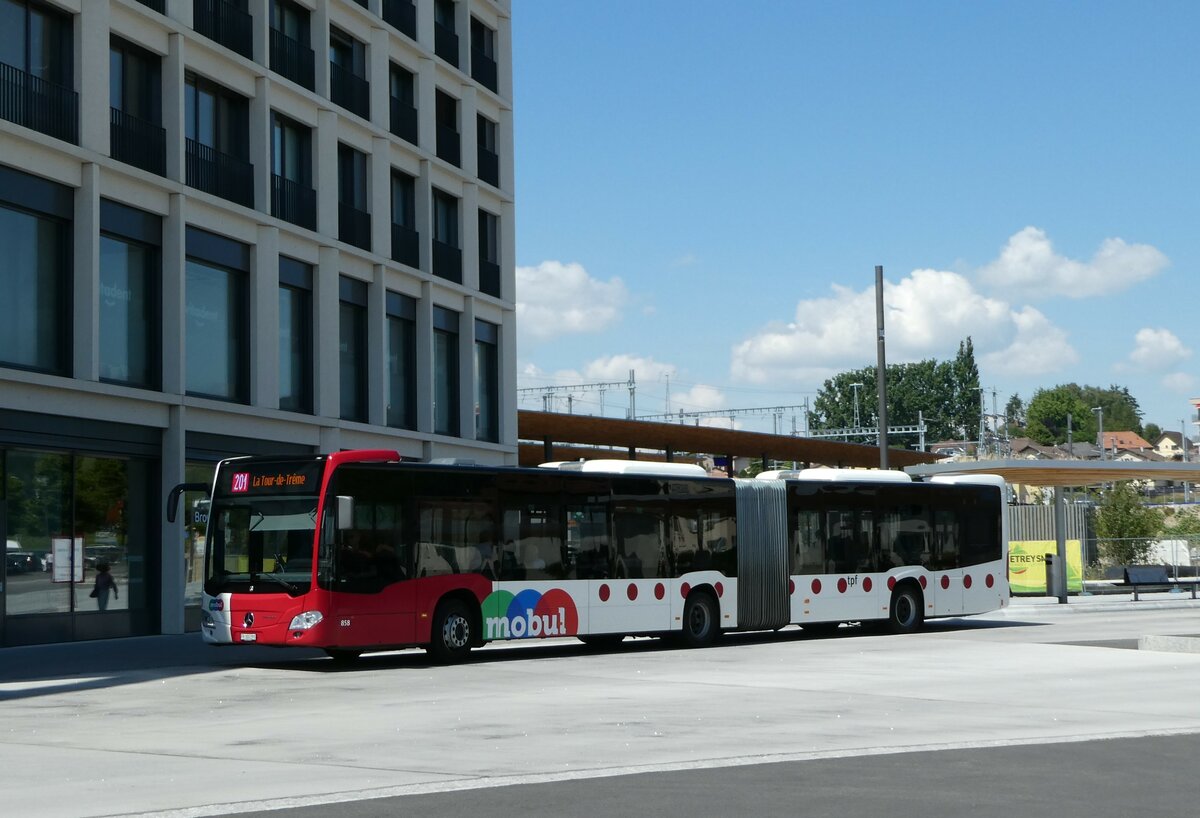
point(401, 315)
point(446, 324)
point(297, 277)
point(232, 256)
point(352, 293)
point(137, 227)
point(487, 414)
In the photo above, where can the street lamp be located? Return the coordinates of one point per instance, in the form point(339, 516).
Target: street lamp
point(1099, 411)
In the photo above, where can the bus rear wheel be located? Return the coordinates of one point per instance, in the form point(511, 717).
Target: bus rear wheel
point(450, 639)
point(907, 613)
point(700, 620)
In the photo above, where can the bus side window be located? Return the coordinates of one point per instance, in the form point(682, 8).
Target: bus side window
point(808, 556)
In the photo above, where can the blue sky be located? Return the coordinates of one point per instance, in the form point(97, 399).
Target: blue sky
point(704, 189)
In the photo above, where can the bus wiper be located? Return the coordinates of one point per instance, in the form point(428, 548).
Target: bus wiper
point(271, 575)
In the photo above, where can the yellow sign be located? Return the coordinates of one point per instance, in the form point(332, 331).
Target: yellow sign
point(1027, 565)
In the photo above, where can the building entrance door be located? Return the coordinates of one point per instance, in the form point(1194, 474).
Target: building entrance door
point(3, 568)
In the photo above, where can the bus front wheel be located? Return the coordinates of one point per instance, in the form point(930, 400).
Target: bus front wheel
point(907, 613)
point(701, 622)
point(450, 640)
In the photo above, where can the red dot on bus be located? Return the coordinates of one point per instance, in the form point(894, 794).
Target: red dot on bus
point(604, 592)
point(967, 581)
point(990, 581)
point(924, 582)
point(631, 592)
point(660, 591)
point(891, 583)
point(945, 581)
point(720, 589)
point(842, 585)
point(684, 590)
point(816, 586)
point(791, 587)
point(867, 584)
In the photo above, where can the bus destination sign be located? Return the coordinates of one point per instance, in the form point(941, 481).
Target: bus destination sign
point(271, 478)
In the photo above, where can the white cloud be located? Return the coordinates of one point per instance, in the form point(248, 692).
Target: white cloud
point(1181, 383)
point(1156, 349)
point(1029, 268)
point(555, 299)
point(700, 398)
point(1037, 348)
point(616, 368)
point(926, 315)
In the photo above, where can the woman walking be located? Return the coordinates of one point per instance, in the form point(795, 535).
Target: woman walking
point(104, 584)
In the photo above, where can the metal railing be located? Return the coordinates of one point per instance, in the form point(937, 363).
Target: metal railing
point(483, 70)
point(406, 245)
point(489, 166)
point(349, 90)
point(137, 142)
point(224, 23)
point(489, 278)
point(293, 202)
point(402, 14)
point(448, 145)
point(219, 173)
point(354, 226)
point(157, 5)
point(447, 262)
point(292, 59)
point(445, 44)
point(36, 103)
point(404, 120)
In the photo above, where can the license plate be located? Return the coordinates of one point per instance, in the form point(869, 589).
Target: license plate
point(249, 637)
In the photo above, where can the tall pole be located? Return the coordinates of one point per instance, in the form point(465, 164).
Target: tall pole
point(1099, 410)
point(881, 375)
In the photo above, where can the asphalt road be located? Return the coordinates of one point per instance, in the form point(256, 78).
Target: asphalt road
point(1037, 710)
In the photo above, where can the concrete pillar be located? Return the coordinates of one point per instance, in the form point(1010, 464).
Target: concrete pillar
point(326, 378)
point(86, 330)
point(91, 77)
point(325, 157)
point(468, 127)
point(260, 143)
point(423, 203)
point(260, 44)
point(318, 24)
point(180, 10)
point(508, 253)
point(377, 347)
point(468, 400)
point(264, 322)
point(508, 378)
point(379, 189)
point(505, 150)
point(173, 104)
point(426, 95)
point(1060, 539)
point(171, 578)
point(469, 235)
point(377, 73)
point(425, 359)
point(174, 283)
point(504, 58)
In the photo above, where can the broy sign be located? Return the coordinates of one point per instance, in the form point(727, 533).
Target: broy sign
point(1027, 565)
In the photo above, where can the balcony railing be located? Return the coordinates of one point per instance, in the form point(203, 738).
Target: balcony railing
point(404, 120)
point(489, 166)
point(403, 15)
point(445, 44)
point(219, 173)
point(406, 245)
point(157, 5)
point(354, 226)
point(448, 145)
point(293, 202)
point(489, 277)
point(483, 70)
point(224, 23)
point(39, 104)
point(350, 91)
point(137, 142)
point(447, 262)
point(292, 59)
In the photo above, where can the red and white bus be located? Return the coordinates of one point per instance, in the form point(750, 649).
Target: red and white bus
point(359, 551)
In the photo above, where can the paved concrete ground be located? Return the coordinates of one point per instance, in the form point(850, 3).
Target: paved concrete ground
point(165, 725)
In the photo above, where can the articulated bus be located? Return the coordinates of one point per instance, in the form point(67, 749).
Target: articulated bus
point(359, 551)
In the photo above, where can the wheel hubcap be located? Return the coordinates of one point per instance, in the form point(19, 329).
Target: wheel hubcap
point(904, 610)
point(699, 620)
point(456, 632)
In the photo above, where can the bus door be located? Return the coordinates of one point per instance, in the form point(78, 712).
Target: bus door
point(636, 600)
point(944, 594)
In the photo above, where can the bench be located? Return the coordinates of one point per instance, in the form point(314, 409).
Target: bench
point(1154, 576)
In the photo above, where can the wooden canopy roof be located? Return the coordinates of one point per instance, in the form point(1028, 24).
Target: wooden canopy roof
point(551, 436)
point(1065, 472)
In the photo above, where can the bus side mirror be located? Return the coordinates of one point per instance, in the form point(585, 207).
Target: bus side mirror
point(345, 512)
point(173, 497)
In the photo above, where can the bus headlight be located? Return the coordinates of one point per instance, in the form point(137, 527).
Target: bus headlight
point(306, 620)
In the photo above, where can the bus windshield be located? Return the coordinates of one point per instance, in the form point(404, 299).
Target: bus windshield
point(260, 545)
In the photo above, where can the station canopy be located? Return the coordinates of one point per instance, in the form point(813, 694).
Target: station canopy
point(548, 436)
point(1064, 473)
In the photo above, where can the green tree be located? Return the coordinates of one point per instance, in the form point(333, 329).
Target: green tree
point(1152, 432)
point(1127, 524)
point(1014, 412)
point(1046, 417)
point(966, 409)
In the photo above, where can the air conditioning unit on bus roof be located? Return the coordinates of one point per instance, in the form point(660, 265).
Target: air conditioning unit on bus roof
point(633, 467)
point(838, 475)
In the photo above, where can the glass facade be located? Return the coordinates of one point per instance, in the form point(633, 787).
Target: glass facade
point(487, 381)
point(352, 349)
point(295, 336)
point(33, 316)
point(445, 372)
point(401, 361)
point(215, 335)
point(127, 293)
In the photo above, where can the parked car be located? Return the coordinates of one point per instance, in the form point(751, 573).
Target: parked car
point(20, 562)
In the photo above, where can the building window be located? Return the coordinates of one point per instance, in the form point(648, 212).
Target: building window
point(404, 103)
point(292, 196)
point(291, 50)
point(406, 241)
point(483, 55)
point(35, 236)
point(488, 158)
point(446, 114)
point(217, 321)
point(352, 348)
point(445, 34)
point(130, 272)
point(403, 15)
point(37, 70)
point(487, 381)
point(447, 253)
point(135, 100)
point(401, 361)
point(445, 372)
point(354, 222)
point(227, 22)
point(217, 131)
point(489, 253)
point(295, 335)
point(348, 86)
